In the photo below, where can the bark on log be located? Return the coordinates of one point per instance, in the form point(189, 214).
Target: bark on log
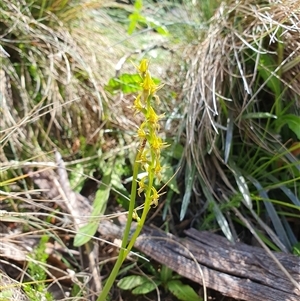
point(239, 271)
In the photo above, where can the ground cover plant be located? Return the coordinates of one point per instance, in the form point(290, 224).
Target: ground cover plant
point(229, 111)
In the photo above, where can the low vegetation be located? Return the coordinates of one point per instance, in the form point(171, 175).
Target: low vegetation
point(225, 91)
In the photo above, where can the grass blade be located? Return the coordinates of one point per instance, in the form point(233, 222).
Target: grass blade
point(189, 180)
point(86, 232)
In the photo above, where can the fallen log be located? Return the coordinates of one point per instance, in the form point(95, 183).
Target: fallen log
point(236, 270)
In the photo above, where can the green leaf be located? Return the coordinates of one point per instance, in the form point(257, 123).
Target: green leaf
point(127, 83)
point(165, 274)
point(241, 183)
point(221, 220)
point(86, 232)
point(259, 115)
point(296, 249)
point(130, 282)
point(281, 239)
point(229, 136)
point(189, 180)
point(6, 295)
point(146, 287)
point(134, 18)
point(182, 291)
point(138, 4)
point(162, 30)
point(292, 121)
point(266, 68)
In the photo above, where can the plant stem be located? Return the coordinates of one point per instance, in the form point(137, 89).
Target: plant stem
point(123, 251)
point(146, 209)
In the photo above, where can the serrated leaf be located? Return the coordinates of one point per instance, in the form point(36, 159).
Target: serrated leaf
point(86, 232)
point(132, 281)
point(182, 291)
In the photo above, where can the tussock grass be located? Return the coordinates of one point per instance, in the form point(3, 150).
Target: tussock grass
point(242, 83)
point(53, 75)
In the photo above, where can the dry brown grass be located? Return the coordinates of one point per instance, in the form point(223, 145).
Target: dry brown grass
point(221, 75)
point(52, 82)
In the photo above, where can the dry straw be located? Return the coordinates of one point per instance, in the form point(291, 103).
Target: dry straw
point(53, 76)
point(220, 72)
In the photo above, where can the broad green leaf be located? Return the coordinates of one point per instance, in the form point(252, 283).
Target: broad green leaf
point(86, 232)
point(146, 287)
point(292, 121)
point(182, 291)
point(130, 282)
point(127, 83)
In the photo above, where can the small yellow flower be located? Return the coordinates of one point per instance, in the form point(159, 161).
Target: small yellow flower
point(141, 133)
point(153, 118)
point(148, 84)
point(157, 144)
point(155, 196)
point(137, 104)
point(143, 67)
point(157, 170)
point(143, 159)
point(142, 185)
point(135, 216)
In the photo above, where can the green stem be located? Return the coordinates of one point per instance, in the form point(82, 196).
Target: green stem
point(123, 251)
point(146, 209)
